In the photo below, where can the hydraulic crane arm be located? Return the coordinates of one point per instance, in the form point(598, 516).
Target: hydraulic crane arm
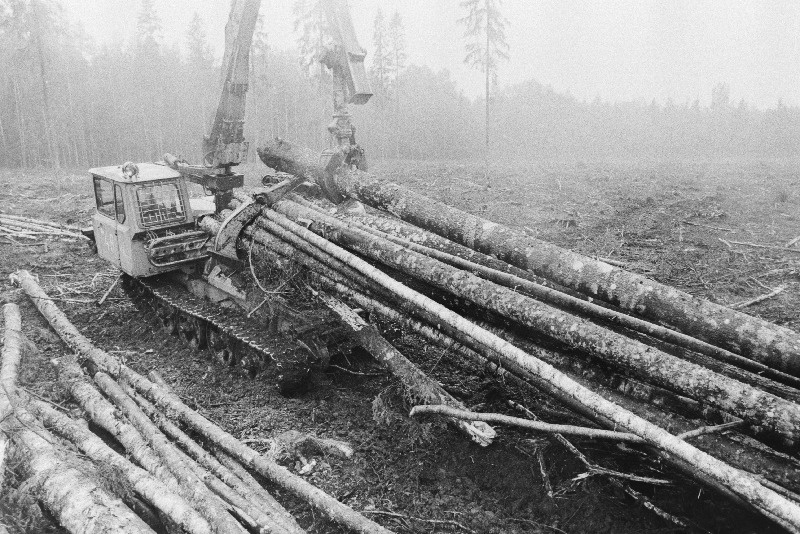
point(346, 58)
point(225, 146)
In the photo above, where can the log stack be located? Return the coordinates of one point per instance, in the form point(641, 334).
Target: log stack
point(623, 351)
point(170, 468)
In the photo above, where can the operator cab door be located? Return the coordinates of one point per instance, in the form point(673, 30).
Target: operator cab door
point(107, 219)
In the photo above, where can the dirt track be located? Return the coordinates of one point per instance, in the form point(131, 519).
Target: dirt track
point(663, 220)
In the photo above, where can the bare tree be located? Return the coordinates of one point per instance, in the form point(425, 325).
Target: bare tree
point(486, 47)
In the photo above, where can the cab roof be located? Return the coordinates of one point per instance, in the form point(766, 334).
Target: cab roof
point(147, 172)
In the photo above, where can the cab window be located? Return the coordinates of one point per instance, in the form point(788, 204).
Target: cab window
point(104, 196)
point(120, 204)
point(160, 203)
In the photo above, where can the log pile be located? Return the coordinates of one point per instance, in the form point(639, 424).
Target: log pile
point(18, 227)
point(623, 352)
point(171, 469)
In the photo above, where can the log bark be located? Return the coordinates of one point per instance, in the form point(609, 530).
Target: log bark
point(509, 278)
point(217, 516)
point(537, 426)
point(773, 345)
point(648, 363)
point(336, 271)
point(152, 490)
point(743, 452)
point(254, 487)
point(418, 384)
point(105, 415)
point(327, 505)
point(58, 479)
point(738, 450)
point(267, 513)
point(770, 503)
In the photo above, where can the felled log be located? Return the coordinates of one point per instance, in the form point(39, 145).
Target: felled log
point(656, 366)
point(40, 222)
point(106, 416)
point(58, 479)
point(418, 384)
point(773, 345)
point(715, 358)
point(183, 471)
point(538, 426)
point(336, 277)
point(265, 512)
point(774, 469)
point(334, 271)
point(770, 503)
point(740, 451)
point(148, 487)
point(166, 401)
point(413, 238)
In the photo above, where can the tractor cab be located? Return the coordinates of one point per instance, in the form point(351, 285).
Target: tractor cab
point(144, 223)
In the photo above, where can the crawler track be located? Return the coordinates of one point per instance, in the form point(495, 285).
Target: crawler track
point(287, 356)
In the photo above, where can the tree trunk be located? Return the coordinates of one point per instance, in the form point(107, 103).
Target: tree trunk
point(740, 451)
point(770, 503)
point(420, 387)
point(104, 414)
point(487, 73)
point(706, 352)
point(167, 467)
point(269, 514)
point(217, 516)
point(58, 479)
point(330, 507)
point(646, 362)
point(148, 487)
point(773, 345)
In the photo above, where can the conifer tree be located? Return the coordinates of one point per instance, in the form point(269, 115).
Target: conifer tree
point(311, 24)
point(381, 57)
point(148, 28)
point(199, 51)
point(486, 46)
point(397, 45)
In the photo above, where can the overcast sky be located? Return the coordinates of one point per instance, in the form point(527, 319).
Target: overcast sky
point(614, 49)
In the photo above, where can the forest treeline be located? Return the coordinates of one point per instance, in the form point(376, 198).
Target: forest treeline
point(65, 101)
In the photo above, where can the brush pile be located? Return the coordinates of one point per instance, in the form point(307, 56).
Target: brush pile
point(155, 465)
point(710, 391)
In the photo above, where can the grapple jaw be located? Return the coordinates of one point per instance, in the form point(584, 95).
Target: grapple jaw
point(246, 212)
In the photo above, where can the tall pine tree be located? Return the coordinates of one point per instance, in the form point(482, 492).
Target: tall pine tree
point(197, 47)
point(381, 57)
point(486, 47)
point(311, 25)
point(397, 46)
point(148, 28)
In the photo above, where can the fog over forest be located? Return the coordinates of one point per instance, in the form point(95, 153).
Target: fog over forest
point(69, 97)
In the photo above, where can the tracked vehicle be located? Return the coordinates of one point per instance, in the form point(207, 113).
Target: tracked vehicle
point(149, 226)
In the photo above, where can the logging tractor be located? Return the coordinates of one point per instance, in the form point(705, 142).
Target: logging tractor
point(150, 225)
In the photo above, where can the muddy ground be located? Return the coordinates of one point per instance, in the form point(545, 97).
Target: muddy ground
point(670, 221)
